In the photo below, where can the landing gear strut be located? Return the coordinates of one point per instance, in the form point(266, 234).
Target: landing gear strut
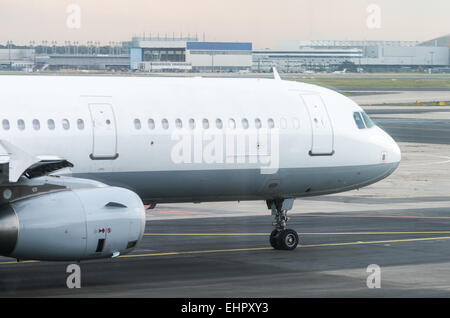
point(282, 238)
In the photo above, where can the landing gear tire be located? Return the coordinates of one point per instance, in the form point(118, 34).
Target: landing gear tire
point(274, 239)
point(288, 240)
point(284, 239)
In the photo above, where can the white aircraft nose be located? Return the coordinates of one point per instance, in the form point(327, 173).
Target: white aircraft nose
point(391, 150)
point(396, 153)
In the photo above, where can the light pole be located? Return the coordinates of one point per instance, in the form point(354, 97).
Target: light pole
point(66, 47)
point(34, 50)
point(44, 45)
point(9, 53)
point(54, 46)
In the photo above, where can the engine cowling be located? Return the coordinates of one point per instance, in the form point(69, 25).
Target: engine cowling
point(72, 225)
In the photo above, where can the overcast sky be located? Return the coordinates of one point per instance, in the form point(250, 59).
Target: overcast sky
point(262, 22)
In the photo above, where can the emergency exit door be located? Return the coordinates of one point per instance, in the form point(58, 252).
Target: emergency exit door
point(322, 130)
point(104, 132)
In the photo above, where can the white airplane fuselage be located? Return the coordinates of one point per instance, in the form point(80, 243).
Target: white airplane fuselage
point(197, 139)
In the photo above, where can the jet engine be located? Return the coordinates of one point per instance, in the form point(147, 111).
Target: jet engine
point(72, 224)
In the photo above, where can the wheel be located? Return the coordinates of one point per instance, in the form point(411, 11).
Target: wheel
point(274, 239)
point(287, 240)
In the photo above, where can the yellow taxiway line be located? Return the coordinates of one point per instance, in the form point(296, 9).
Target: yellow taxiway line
point(265, 248)
point(300, 234)
point(197, 252)
point(16, 262)
point(300, 246)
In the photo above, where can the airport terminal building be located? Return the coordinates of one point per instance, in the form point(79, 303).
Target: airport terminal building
point(295, 60)
point(17, 59)
point(322, 55)
point(188, 54)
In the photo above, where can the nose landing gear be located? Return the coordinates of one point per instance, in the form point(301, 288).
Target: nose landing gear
point(282, 238)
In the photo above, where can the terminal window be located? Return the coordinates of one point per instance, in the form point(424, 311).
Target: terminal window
point(164, 55)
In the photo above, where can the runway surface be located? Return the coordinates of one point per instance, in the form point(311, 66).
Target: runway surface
point(435, 131)
point(401, 224)
point(230, 257)
point(399, 96)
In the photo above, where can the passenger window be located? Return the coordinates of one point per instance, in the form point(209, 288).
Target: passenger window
point(80, 124)
point(258, 123)
point(151, 124)
point(231, 123)
point(178, 123)
point(358, 120)
point(137, 124)
point(165, 123)
point(205, 123)
point(192, 123)
point(283, 123)
point(219, 123)
point(245, 123)
point(270, 123)
point(5, 124)
point(36, 124)
point(367, 120)
point(65, 124)
point(296, 123)
point(21, 124)
point(51, 124)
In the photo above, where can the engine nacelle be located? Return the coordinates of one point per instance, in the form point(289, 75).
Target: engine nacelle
point(72, 225)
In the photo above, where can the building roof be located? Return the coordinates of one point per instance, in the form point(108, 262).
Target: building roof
point(440, 41)
point(220, 46)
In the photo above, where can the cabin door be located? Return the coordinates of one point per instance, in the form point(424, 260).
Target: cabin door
point(104, 132)
point(322, 130)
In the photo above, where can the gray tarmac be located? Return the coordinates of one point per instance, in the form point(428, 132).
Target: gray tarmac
point(412, 254)
point(401, 224)
point(433, 131)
